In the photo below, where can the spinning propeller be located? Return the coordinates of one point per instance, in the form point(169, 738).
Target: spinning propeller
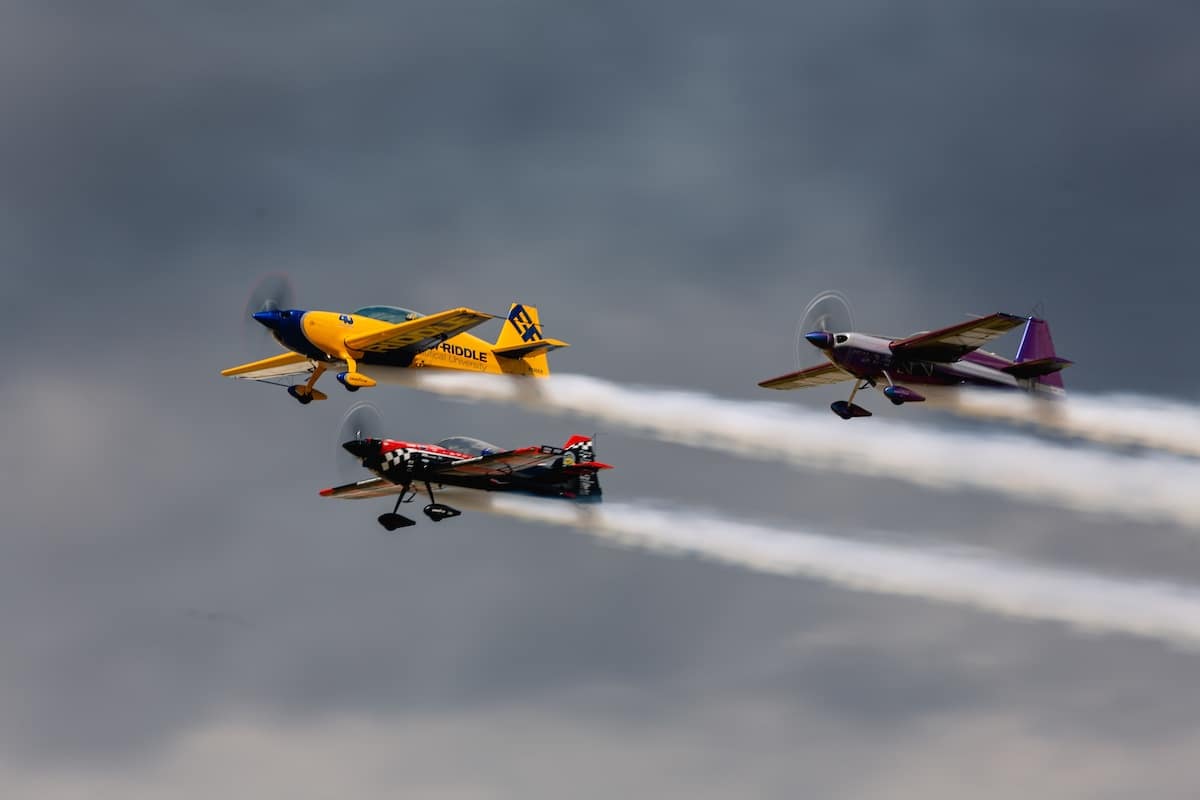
point(273, 292)
point(362, 421)
point(827, 313)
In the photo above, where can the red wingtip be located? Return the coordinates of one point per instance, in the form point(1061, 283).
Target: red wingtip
point(326, 492)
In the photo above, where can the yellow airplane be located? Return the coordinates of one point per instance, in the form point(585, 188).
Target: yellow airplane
point(393, 337)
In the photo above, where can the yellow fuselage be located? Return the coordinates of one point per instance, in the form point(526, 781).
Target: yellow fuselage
point(327, 332)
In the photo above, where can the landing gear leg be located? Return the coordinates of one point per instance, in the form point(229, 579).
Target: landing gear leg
point(438, 511)
point(846, 409)
point(393, 520)
point(352, 379)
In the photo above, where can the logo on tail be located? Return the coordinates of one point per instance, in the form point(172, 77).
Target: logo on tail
point(581, 449)
point(524, 323)
point(579, 456)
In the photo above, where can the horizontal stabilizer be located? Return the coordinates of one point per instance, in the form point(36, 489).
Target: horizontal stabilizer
point(590, 466)
point(534, 348)
point(1038, 367)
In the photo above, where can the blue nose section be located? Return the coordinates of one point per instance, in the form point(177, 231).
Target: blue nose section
point(285, 324)
point(270, 319)
point(820, 339)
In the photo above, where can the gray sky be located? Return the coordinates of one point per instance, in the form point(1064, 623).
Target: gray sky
point(670, 183)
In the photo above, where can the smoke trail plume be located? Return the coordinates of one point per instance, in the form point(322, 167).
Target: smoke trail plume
point(1154, 488)
point(1158, 610)
point(1118, 419)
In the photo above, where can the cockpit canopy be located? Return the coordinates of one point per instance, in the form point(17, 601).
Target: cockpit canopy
point(391, 314)
point(469, 445)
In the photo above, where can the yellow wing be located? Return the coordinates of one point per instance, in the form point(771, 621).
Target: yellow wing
point(273, 367)
point(421, 333)
point(811, 376)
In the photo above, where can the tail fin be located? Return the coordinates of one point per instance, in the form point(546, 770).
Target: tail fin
point(583, 447)
point(1035, 356)
point(581, 466)
point(522, 338)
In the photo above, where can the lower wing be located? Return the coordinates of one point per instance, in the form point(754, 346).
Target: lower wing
point(273, 367)
point(811, 376)
point(371, 487)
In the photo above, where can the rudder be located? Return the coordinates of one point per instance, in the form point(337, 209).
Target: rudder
point(522, 338)
point(1036, 359)
point(579, 462)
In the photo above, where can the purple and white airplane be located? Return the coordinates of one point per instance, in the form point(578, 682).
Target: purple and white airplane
point(946, 357)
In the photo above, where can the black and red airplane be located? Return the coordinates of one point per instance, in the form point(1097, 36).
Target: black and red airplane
point(465, 462)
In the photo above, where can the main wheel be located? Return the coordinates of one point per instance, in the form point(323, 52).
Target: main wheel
point(848, 410)
point(440, 511)
point(393, 521)
point(304, 398)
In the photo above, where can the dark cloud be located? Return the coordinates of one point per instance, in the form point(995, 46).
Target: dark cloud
point(670, 182)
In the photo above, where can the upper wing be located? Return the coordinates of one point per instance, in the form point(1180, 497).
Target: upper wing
point(810, 376)
point(421, 333)
point(504, 463)
point(371, 487)
point(273, 367)
point(954, 342)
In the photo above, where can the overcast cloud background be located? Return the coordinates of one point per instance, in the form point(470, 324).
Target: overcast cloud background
point(670, 182)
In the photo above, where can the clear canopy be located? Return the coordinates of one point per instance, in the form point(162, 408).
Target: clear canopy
point(388, 313)
point(469, 445)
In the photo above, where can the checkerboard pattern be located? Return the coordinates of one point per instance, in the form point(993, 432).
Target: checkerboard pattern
point(396, 459)
point(584, 452)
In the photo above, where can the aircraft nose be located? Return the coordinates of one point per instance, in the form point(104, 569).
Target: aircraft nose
point(269, 318)
point(820, 339)
point(361, 448)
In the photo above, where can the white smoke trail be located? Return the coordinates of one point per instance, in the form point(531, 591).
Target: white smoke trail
point(1165, 611)
point(1119, 419)
point(1154, 488)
